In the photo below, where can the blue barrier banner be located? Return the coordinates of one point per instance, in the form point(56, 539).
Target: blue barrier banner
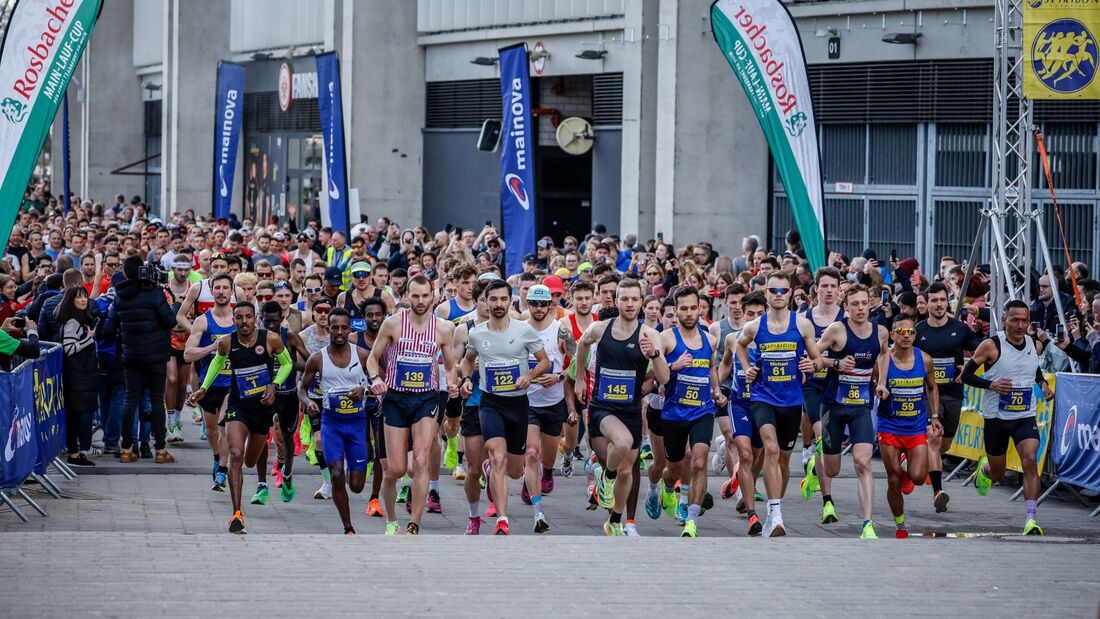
point(17, 425)
point(517, 158)
point(332, 134)
point(1076, 433)
point(228, 117)
point(49, 405)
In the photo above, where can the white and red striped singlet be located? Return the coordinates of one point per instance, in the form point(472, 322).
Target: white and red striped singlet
point(410, 363)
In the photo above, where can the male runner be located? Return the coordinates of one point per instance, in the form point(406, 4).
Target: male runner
point(179, 371)
point(906, 387)
point(473, 442)
point(693, 392)
point(625, 349)
point(344, 429)
point(787, 350)
point(721, 330)
point(826, 312)
point(251, 353)
point(456, 309)
point(374, 312)
point(660, 495)
point(945, 339)
point(286, 396)
point(854, 345)
point(502, 346)
point(547, 398)
point(209, 327)
point(1011, 365)
point(462, 305)
point(315, 337)
point(410, 340)
point(583, 295)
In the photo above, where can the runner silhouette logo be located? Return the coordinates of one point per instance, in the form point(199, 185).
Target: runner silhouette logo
point(1064, 56)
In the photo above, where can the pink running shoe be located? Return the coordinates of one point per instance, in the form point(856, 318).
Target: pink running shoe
point(473, 527)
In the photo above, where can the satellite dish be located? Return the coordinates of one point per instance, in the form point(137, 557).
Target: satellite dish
point(575, 135)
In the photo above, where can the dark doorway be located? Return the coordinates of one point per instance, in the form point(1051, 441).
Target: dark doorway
point(564, 193)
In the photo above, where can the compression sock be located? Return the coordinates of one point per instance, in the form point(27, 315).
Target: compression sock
point(326, 476)
point(900, 521)
point(652, 489)
point(1032, 506)
point(461, 455)
point(536, 503)
point(937, 480)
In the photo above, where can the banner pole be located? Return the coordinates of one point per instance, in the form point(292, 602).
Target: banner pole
point(7, 501)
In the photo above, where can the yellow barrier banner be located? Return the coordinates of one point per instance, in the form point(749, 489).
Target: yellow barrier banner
point(1060, 50)
point(969, 440)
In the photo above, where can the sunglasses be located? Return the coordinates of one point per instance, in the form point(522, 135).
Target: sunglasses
point(313, 290)
point(113, 265)
point(539, 303)
point(779, 291)
point(264, 297)
point(265, 275)
point(361, 274)
point(322, 310)
point(905, 330)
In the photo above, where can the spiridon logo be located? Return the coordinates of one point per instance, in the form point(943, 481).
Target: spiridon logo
point(14, 111)
point(519, 190)
point(1067, 432)
point(228, 117)
point(19, 435)
point(771, 66)
point(1063, 56)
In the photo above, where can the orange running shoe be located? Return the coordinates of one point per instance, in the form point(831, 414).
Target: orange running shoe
point(374, 509)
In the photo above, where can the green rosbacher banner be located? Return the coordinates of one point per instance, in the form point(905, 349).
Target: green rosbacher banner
point(40, 51)
point(760, 41)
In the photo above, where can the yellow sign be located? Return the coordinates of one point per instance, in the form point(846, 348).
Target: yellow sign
point(1060, 49)
point(969, 440)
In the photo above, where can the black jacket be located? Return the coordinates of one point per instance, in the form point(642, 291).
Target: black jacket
point(1046, 314)
point(142, 315)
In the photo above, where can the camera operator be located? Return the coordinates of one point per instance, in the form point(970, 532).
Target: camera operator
point(142, 315)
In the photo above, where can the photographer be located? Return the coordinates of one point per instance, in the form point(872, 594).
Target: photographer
point(142, 315)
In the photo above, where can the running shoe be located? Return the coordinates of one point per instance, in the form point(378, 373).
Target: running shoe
point(486, 474)
point(757, 496)
point(605, 490)
point(287, 491)
point(741, 507)
point(541, 524)
point(810, 483)
point(374, 509)
point(403, 494)
point(755, 528)
point(434, 505)
point(647, 452)
point(689, 529)
point(868, 531)
point(901, 533)
point(501, 528)
point(459, 474)
point(547, 481)
point(613, 529)
point(214, 471)
point(412, 529)
point(524, 495)
point(630, 530)
point(450, 455)
point(775, 528)
point(907, 484)
point(79, 459)
point(324, 492)
point(729, 488)
point(592, 503)
point(261, 496)
point(278, 473)
point(982, 482)
point(653, 506)
point(681, 514)
point(718, 460)
point(297, 444)
point(491, 511)
point(473, 526)
point(708, 503)
point(202, 432)
point(392, 528)
point(196, 416)
point(349, 532)
point(567, 467)
point(174, 434)
point(828, 513)
point(219, 482)
point(236, 524)
point(1032, 528)
point(940, 501)
point(669, 501)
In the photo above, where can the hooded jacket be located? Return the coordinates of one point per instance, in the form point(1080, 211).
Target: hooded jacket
point(143, 318)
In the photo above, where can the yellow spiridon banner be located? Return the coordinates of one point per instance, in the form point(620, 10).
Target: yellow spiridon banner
point(1060, 49)
point(969, 440)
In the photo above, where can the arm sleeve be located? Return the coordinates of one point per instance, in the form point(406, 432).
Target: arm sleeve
point(285, 366)
point(212, 370)
point(970, 378)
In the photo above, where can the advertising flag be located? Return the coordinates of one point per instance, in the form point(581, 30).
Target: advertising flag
point(1076, 454)
point(40, 51)
point(66, 161)
point(1060, 51)
point(332, 133)
point(760, 41)
point(517, 158)
point(228, 115)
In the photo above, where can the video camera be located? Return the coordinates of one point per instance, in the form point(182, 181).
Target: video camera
point(151, 273)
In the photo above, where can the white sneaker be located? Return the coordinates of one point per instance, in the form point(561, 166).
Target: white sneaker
point(630, 530)
point(174, 434)
point(196, 415)
point(775, 528)
point(324, 492)
point(459, 473)
point(718, 460)
point(807, 453)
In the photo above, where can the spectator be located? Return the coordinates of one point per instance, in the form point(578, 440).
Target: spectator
point(79, 372)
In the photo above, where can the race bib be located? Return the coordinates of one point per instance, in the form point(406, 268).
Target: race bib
point(906, 402)
point(251, 382)
point(315, 389)
point(616, 385)
point(854, 389)
point(779, 367)
point(358, 324)
point(1016, 401)
point(501, 378)
point(741, 384)
point(944, 370)
point(690, 390)
point(532, 362)
point(414, 371)
point(340, 402)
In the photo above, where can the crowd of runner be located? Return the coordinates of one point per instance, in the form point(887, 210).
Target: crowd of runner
point(385, 355)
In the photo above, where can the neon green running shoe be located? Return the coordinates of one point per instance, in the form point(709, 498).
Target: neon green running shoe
point(646, 453)
point(669, 501)
point(261, 496)
point(982, 482)
point(868, 531)
point(450, 456)
point(758, 496)
point(287, 492)
point(689, 529)
point(1032, 528)
point(828, 513)
point(403, 495)
point(392, 528)
point(605, 490)
point(613, 529)
point(810, 483)
point(370, 468)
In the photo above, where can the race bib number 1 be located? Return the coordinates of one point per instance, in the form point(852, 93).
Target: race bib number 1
point(251, 382)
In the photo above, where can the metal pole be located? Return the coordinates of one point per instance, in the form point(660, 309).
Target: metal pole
point(956, 471)
point(983, 223)
point(29, 500)
point(7, 501)
point(1094, 512)
point(64, 469)
point(48, 484)
point(1049, 267)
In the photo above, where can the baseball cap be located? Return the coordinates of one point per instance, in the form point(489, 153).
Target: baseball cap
point(545, 243)
point(360, 267)
point(552, 283)
point(279, 236)
point(584, 266)
point(532, 258)
point(487, 276)
point(538, 292)
point(562, 272)
point(334, 276)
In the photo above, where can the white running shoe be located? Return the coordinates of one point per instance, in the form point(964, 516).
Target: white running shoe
point(775, 528)
point(324, 492)
point(196, 415)
point(630, 530)
point(807, 453)
point(718, 460)
point(174, 434)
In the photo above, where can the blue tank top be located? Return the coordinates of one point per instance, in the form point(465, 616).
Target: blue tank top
point(904, 412)
point(214, 331)
point(687, 394)
point(457, 314)
point(739, 389)
point(853, 388)
point(818, 379)
point(779, 382)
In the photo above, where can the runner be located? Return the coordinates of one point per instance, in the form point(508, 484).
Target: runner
point(906, 387)
point(410, 341)
point(721, 330)
point(853, 345)
point(583, 296)
point(339, 367)
point(502, 346)
point(179, 370)
point(661, 495)
point(693, 393)
point(826, 312)
point(945, 339)
point(473, 442)
point(462, 305)
point(374, 312)
point(286, 398)
point(787, 349)
point(547, 399)
point(315, 337)
point(1008, 405)
point(250, 353)
point(456, 309)
point(625, 348)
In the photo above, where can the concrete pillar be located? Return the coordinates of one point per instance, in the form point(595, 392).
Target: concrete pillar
point(639, 117)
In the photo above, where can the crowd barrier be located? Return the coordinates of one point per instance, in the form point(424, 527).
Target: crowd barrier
point(1076, 435)
point(969, 440)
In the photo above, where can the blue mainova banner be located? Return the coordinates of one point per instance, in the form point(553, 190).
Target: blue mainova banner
point(517, 158)
point(17, 426)
point(332, 133)
point(228, 117)
point(49, 405)
point(1076, 433)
